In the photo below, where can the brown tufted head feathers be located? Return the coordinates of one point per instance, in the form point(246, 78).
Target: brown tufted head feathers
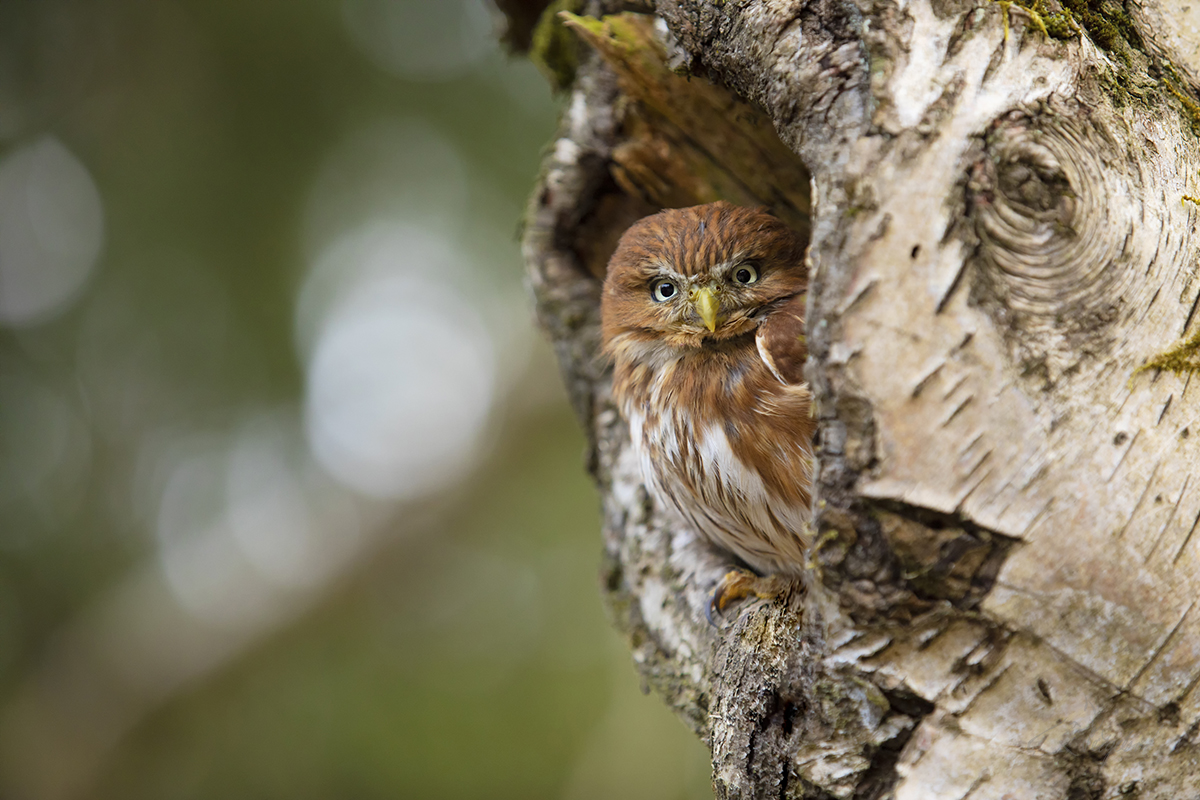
point(684, 276)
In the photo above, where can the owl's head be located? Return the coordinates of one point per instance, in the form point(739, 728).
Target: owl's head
point(688, 277)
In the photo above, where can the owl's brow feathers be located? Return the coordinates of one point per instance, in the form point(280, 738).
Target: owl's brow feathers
point(693, 241)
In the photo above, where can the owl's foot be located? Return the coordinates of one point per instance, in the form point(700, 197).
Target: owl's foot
point(739, 583)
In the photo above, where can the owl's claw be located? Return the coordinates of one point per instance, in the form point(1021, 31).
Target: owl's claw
point(739, 583)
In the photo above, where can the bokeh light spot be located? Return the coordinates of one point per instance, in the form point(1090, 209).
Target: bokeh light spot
point(51, 231)
point(400, 386)
point(418, 40)
point(402, 168)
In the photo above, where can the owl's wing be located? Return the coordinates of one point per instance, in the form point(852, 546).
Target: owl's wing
point(781, 341)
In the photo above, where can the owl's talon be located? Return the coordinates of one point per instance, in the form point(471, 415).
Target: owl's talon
point(738, 584)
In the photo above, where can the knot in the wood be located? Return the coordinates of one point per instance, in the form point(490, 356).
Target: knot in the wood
point(1053, 218)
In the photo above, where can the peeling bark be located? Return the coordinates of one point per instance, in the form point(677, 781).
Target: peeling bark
point(1006, 506)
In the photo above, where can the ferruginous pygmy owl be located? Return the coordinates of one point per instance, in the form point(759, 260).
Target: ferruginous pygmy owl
point(703, 318)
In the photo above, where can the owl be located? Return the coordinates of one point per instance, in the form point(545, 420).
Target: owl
point(702, 317)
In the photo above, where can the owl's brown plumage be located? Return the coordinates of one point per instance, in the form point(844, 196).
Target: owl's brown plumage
point(703, 318)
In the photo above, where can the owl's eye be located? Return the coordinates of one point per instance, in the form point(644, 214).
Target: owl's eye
point(663, 290)
point(746, 274)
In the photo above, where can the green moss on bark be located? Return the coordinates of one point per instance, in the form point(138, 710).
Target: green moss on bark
point(553, 48)
point(1182, 359)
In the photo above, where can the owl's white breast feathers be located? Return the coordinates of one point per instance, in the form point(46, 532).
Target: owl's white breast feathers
point(695, 471)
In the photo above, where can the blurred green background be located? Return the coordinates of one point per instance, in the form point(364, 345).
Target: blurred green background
point(291, 503)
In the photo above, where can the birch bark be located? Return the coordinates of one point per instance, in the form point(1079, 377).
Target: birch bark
point(1004, 338)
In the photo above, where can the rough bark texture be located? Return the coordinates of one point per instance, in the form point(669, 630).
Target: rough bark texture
point(1006, 564)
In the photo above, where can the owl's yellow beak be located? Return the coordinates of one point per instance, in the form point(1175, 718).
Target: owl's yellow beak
point(704, 300)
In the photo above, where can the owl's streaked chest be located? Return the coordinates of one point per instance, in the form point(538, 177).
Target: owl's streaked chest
point(720, 471)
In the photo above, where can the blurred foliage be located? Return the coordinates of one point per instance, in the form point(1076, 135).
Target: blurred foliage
point(426, 677)
point(462, 655)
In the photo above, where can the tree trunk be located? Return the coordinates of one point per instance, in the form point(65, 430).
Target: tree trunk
point(1003, 339)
